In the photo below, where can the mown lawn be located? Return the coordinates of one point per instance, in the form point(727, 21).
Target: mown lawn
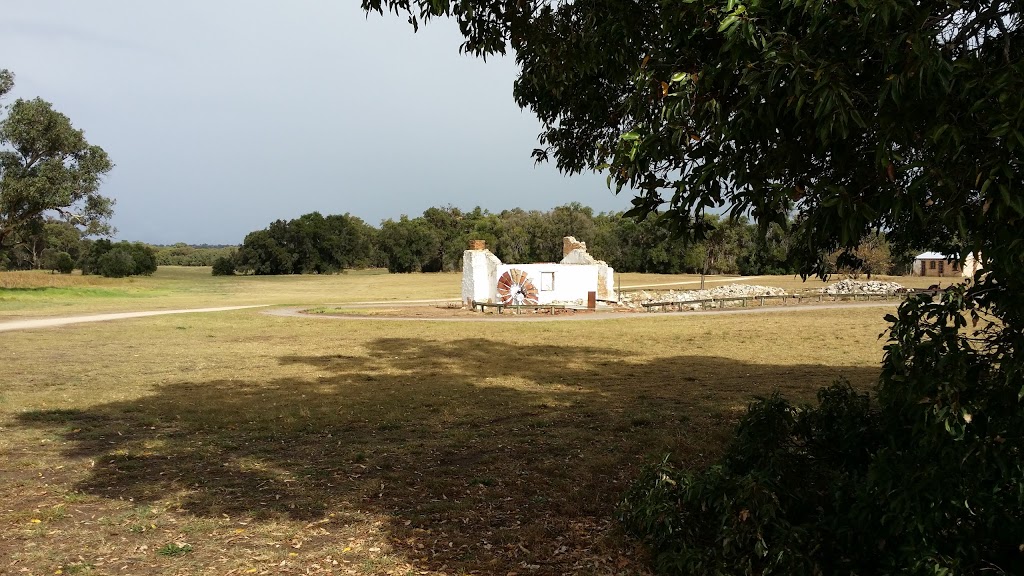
point(242, 443)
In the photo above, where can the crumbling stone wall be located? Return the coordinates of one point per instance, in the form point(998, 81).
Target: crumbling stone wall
point(573, 278)
point(569, 244)
point(575, 252)
point(479, 274)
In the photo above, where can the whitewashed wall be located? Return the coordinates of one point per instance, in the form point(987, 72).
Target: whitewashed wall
point(479, 276)
point(571, 281)
point(971, 265)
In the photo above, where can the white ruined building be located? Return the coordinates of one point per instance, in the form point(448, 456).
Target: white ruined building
point(486, 279)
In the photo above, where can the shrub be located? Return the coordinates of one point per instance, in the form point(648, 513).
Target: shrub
point(143, 256)
point(92, 251)
point(96, 259)
point(224, 266)
point(60, 262)
point(117, 263)
point(930, 482)
point(946, 490)
point(770, 506)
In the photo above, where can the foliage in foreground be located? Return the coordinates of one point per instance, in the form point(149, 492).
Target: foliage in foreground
point(861, 116)
point(785, 477)
point(931, 481)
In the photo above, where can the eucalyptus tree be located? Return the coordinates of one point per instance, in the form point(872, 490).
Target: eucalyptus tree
point(48, 168)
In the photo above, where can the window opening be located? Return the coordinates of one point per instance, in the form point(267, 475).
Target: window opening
point(547, 281)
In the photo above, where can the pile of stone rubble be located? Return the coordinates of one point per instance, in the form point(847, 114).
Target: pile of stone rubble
point(850, 286)
point(635, 300)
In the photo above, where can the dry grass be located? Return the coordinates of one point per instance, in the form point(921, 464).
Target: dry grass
point(793, 284)
point(236, 442)
point(629, 279)
point(38, 294)
point(33, 279)
point(31, 293)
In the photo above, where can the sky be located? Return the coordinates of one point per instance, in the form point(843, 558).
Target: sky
point(224, 116)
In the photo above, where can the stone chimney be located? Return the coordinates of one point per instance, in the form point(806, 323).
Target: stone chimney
point(569, 244)
point(477, 245)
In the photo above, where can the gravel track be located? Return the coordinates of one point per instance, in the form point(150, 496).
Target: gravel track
point(296, 312)
point(65, 320)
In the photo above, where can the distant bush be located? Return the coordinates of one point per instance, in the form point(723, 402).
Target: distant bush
point(143, 256)
point(224, 266)
point(310, 244)
point(182, 254)
point(117, 263)
point(92, 251)
point(59, 262)
point(117, 260)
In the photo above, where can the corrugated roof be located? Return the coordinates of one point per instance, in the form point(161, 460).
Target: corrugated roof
point(931, 256)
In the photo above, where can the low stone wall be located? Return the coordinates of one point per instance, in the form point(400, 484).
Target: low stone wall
point(636, 300)
point(850, 286)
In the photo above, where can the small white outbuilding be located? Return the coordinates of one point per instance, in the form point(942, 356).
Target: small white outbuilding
point(937, 264)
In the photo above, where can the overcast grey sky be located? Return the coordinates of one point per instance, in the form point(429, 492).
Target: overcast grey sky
point(225, 115)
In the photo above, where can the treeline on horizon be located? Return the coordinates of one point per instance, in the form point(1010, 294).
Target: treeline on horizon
point(435, 241)
point(61, 247)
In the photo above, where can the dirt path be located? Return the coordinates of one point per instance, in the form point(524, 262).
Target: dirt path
point(62, 321)
point(296, 312)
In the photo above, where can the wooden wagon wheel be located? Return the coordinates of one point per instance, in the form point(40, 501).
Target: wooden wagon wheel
point(514, 288)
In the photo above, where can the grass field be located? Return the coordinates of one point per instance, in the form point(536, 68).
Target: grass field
point(793, 284)
point(30, 294)
point(240, 443)
point(39, 294)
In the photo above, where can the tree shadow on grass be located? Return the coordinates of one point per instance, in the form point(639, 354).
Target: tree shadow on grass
point(482, 455)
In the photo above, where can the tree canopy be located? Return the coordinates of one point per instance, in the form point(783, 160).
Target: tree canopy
point(308, 244)
point(859, 116)
point(48, 168)
point(436, 240)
